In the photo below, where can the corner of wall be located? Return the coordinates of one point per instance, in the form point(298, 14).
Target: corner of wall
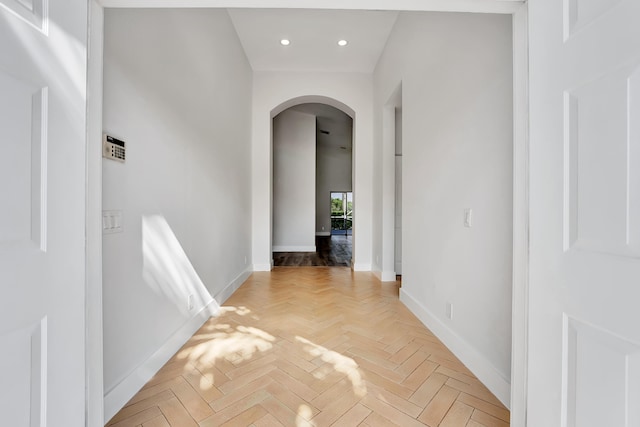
point(262, 267)
point(362, 266)
point(388, 276)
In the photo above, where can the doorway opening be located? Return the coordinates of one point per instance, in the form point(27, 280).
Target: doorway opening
point(312, 155)
point(341, 213)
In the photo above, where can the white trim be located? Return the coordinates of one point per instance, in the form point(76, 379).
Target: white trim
point(385, 276)
point(468, 355)
point(481, 6)
point(294, 249)
point(262, 267)
point(94, 353)
point(520, 288)
point(362, 266)
point(224, 294)
point(388, 276)
point(323, 233)
point(118, 396)
point(388, 187)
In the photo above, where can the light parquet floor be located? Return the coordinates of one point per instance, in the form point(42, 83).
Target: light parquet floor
point(313, 346)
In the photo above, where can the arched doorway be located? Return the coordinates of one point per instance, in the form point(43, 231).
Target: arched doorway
point(312, 162)
point(275, 92)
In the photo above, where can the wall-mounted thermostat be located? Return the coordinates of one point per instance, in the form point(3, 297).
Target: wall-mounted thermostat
point(112, 148)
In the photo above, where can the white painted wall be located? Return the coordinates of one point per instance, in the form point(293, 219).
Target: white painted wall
point(294, 182)
point(334, 173)
point(177, 89)
point(350, 92)
point(457, 138)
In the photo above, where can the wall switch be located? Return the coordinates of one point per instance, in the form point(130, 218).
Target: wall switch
point(245, 260)
point(190, 302)
point(111, 222)
point(468, 217)
point(449, 311)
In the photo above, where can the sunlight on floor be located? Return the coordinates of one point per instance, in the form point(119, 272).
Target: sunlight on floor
point(304, 414)
point(225, 342)
point(343, 364)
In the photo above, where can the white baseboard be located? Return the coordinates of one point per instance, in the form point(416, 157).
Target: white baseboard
point(388, 276)
point(224, 294)
point(262, 267)
point(468, 355)
point(361, 266)
point(118, 396)
point(323, 233)
point(294, 249)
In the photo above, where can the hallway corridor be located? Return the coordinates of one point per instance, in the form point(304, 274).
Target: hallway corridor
point(313, 347)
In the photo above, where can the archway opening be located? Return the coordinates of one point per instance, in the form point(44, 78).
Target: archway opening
point(312, 158)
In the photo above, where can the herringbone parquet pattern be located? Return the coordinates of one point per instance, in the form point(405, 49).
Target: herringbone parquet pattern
point(313, 346)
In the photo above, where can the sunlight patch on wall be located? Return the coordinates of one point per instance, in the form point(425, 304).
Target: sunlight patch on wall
point(167, 269)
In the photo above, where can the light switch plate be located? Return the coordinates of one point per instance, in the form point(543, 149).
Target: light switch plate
point(111, 222)
point(468, 217)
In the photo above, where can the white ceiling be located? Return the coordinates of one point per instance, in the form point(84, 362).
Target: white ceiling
point(314, 35)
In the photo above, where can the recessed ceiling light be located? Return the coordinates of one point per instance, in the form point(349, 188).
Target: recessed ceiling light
point(285, 42)
point(342, 43)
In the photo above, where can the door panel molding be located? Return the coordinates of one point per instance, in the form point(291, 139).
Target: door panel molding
point(23, 396)
point(23, 165)
point(591, 395)
point(598, 146)
point(32, 12)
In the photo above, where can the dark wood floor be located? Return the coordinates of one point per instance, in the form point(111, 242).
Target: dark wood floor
point(334, 251)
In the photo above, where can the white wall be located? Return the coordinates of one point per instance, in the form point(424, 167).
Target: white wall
point(334, 173)
point(456, 77)
point(294, 182)
point(177, 89)
point(351, 92)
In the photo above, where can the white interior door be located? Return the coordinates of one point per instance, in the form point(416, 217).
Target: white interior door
point(42, 199)
point(584, 338)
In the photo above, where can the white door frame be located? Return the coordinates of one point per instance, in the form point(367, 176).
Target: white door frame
point(520, 283)
point(388, 197)
point(93, 291)
point(518, 10)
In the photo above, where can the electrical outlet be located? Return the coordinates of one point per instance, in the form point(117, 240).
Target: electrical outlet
point(449, 311)
point(190, 302)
